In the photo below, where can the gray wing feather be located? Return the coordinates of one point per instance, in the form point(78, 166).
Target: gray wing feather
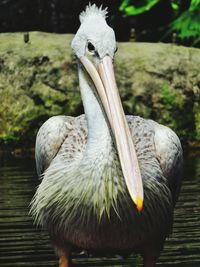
point(50, 138)
point(170, 156)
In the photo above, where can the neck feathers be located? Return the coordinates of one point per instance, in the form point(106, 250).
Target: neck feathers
point(99, 138)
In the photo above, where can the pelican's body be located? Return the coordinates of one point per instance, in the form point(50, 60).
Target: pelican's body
point(84, 200)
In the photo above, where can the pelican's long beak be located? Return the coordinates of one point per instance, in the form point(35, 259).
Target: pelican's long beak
point(104, 80)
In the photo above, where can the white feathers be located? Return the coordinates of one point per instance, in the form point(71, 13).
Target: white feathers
point(93, 10)
point(94, 28)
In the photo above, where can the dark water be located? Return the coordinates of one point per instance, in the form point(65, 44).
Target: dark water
point(23, 245)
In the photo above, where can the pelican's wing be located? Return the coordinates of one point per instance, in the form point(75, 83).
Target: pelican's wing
point(170, 156)
point(50, 138)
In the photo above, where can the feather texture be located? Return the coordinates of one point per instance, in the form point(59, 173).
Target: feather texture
point(83, 198)
point(87, 198)
point(93, 10)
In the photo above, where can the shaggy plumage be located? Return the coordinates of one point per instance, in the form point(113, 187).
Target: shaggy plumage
point(83, 199)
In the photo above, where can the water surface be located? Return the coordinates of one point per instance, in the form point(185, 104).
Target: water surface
point(21, 244)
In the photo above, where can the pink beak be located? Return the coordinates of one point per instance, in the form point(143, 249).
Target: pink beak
point(104, 80)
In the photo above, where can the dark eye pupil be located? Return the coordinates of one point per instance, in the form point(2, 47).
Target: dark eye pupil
point(91, 48)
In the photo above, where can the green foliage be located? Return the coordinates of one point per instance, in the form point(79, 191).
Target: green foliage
point(186, 23)
point(194, 5)
point(140, 7)
point(175, 4)
point(135, 7)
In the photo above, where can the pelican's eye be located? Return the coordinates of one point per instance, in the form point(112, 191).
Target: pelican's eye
point(90, 47)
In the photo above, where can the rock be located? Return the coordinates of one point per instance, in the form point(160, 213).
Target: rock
point(38, 79)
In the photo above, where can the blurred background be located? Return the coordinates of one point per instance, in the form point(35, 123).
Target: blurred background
point(39, 76)
point(144, 20)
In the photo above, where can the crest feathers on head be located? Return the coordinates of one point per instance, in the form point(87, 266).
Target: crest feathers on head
point(93, 10)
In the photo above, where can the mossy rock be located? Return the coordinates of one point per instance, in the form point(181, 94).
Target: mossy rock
point(39, 79)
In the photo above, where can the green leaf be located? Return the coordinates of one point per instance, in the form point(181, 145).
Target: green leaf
point(175, 4)
point(132, 10)
point(194, 5)
point(124, 4)
point(187, 26)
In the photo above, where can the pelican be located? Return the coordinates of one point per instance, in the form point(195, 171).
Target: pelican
point(109, 182)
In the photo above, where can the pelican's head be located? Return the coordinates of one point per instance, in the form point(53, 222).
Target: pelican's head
point(94, 45)
point(94, 39)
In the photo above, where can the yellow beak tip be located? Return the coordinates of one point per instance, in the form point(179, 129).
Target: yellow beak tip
point(139, 204)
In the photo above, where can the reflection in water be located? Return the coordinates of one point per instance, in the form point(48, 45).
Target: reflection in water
point(21, 244)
